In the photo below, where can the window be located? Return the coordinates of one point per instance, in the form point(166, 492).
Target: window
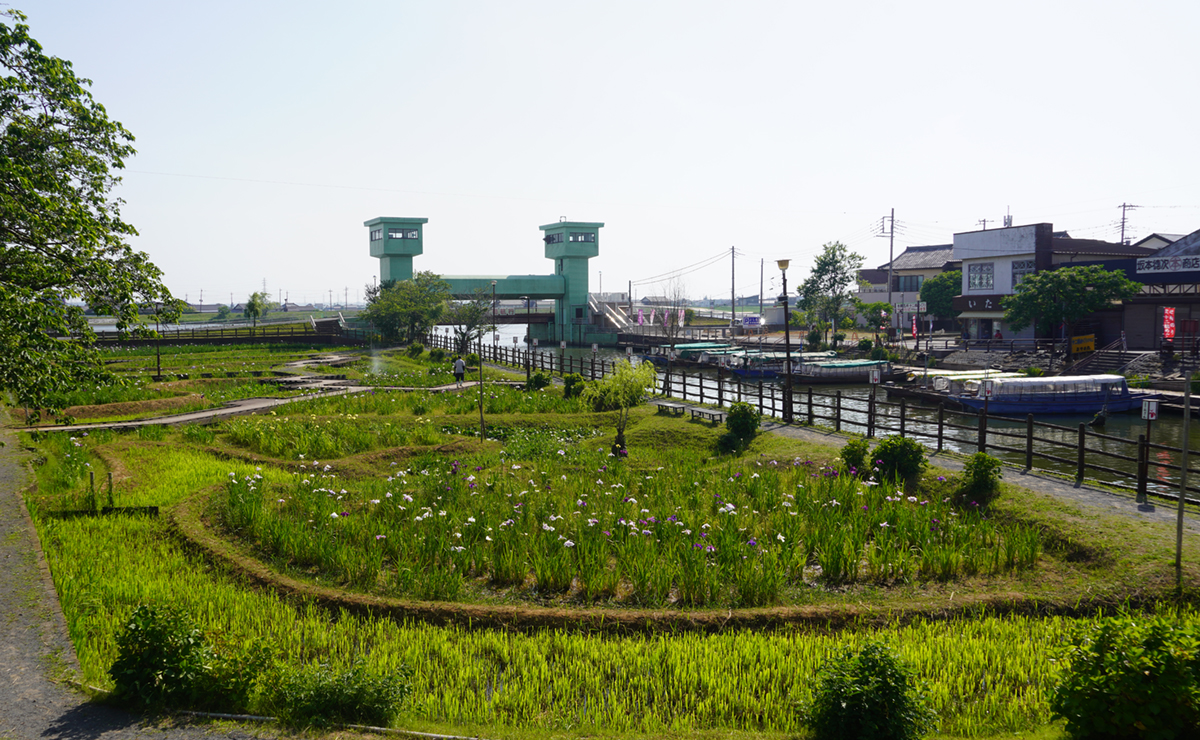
point(909, 283)
point(376, 234)
point(1021, 268)
point(981, 277)
point(554, 238)
point(577, 236)
point(402, 234)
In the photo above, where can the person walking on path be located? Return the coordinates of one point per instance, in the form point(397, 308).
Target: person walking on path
point(460, 369)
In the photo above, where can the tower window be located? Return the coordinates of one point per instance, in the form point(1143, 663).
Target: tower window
point(582, 236)
point(403, 234)
point(554, 238)
point(376, 234)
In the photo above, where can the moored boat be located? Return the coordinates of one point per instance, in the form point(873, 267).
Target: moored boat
point(844, 371)
point(1063, 394)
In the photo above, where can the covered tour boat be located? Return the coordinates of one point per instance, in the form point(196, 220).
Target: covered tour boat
point(1064, 394)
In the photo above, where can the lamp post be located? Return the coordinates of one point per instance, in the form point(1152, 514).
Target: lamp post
point(157, 345)
point(482, 426)
point(787, 346)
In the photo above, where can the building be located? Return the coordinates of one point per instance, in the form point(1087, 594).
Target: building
point(995, 261)
point(909, 270)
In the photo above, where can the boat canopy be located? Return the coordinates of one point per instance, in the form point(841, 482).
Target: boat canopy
point(853, 364)
point(1050, 386)
point(951, 382)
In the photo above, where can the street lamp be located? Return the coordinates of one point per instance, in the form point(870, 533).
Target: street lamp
point(157, 345)
point(787, 346)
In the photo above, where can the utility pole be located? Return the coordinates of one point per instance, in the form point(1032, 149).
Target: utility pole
point(1125, 208)
point(761, 266)
point(732, 289)
point(984, 221)
point(891, 235)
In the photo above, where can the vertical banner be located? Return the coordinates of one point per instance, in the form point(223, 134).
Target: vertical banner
point(653, 316)
point(914, 325)
point(680, 322)
point(641, 317)
point(1169, 323)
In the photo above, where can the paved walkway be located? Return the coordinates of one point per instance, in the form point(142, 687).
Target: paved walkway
point(1113, 503)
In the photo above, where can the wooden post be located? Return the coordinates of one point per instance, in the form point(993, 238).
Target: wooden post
point(1029, 442)
point(837, 412)
point(1143, 468)
point(902, 430)
point(871, 414)
point(700, 382)
point(720, 389)
point(810, 406)
point(760, 402)
point(982, 444)
point(593, 367)
point(1082, 442)
point(941, 425)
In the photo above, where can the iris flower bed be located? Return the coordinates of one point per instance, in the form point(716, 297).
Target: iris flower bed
point(587, 526)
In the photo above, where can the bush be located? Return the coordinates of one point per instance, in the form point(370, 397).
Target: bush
point(163, 660)
point(538, 381)
point(319, 696)
point(472, 360)
point(742, 421)
point(838, 337)
point(865, 345)
point(1131, 677)
point(900, 458)
point(573, 385)
point(437, 354)
point(415, 350)
point(814, 338)
point(980, 481)
point(868, 696)
point(855, 456)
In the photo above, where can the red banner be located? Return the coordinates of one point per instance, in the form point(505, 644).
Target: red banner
point(1168, 323)
point(914, 322)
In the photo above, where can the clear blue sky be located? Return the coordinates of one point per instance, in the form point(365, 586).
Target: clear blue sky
point(268, 132)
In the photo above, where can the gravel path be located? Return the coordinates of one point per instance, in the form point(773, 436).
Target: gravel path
point(1113, 503)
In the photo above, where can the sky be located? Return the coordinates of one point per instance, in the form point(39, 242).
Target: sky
point(268, 132)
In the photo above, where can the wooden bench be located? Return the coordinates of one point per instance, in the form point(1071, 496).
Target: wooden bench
point(671, 407)
point(712, 415)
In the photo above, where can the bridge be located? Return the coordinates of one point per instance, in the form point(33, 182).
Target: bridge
point(570, 244)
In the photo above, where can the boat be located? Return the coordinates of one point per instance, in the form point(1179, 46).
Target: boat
point(770, 364)
point(1063, 394)
point(844, 371)
point(689, 353)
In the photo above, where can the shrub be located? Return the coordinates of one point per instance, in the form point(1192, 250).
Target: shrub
point(865, 345)
point(981, 480)
point(472, 360)
point(838, 337)
point(1131, 677)
point(900, 458)
point(572, 385)
point(538, 381)
point(163, 660)
point(437, 354)
point(742, 421)
point(814, 338)
point(868, 696)
point(855, 455)
point(879, 353)
point(319, 696)
point(415, 350)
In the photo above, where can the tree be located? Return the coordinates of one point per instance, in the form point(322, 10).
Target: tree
point(1064, 296)
point(625, 388)
point(223, 312)
point(405, 311)
point(62, 240)
point(675, 293)
point(875, 314)
point(470, 319)
point(826, 291)
point(939, 291)
point(257, 306)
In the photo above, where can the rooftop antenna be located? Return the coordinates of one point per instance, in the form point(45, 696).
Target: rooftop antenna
point(1008, 217)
